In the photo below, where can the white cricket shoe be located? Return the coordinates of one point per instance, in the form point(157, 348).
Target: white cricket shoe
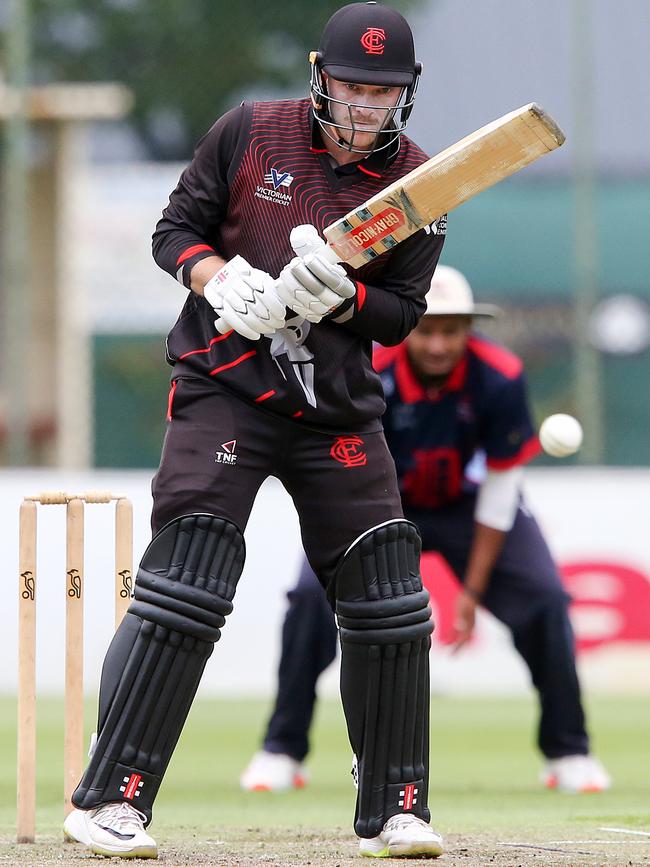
point(75, 829)
point(576, 774)
point(114, 830)
point(403, 836)
point(273, 772)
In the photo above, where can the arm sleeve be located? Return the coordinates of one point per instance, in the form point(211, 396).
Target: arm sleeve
point(508, 435)
point(188, 229)
point(389, 310)
point(498, 499)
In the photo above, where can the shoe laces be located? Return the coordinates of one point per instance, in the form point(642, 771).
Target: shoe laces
point(403, 820)
point(121, 816)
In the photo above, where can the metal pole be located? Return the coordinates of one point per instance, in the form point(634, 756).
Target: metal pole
point(16, 312)
point(588, 378)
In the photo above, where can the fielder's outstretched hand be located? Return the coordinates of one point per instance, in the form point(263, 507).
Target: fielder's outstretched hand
point(465, 620)
point(244, 299)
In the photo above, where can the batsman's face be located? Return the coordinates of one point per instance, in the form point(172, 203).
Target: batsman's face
point(369, 107)
point(436, 344)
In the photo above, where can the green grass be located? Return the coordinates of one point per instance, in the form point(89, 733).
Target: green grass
point(483, 772)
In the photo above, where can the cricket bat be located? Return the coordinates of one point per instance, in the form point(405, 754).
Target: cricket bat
point(458, 173)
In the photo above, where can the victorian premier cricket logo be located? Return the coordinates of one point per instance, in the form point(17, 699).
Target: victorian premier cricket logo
point(276, 183)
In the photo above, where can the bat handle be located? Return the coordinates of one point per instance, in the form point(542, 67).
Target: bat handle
point(306, 240)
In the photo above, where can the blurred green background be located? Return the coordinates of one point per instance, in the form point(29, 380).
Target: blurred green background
point(562, 247)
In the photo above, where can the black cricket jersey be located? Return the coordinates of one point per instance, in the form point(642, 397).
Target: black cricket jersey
point(434, 434)
point(261, 170)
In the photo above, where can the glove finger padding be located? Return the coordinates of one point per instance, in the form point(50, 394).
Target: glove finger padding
point(266, 302)
point(245, 300)
point(314, 298)
point(255, 293)
point(246, 322)
point(295, 297)
point(252, 302)
point(301, 289)
point(332, 275)
point(303, 274)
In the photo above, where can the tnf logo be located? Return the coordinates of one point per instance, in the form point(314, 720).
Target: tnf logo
point(278, 179)
point(373, 40)
point(227, 456)
point(347, 452)
point(132, 786)
point(408, 797)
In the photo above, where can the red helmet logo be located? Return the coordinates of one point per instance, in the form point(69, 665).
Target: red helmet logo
point(373, 40)
point(347, 452)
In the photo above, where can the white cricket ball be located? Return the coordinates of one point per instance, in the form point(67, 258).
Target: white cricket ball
point(560, 435)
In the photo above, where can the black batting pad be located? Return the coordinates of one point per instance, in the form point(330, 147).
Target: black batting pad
point(385, 627)
point(183, 592)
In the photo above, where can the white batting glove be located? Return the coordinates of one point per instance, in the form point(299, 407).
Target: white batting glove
point(314, 286)
point(244, 299)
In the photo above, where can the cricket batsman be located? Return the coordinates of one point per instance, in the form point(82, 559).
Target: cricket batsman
point(272, 375)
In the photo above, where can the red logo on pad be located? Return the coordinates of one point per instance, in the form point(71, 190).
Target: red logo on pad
point(132, 786)
point(408, 799)
point(373, 40)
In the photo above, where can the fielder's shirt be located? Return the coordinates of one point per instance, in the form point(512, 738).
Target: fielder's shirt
point(434, 434)
point(261, 170)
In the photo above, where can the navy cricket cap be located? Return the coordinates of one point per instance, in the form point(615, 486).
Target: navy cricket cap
point(366, 43)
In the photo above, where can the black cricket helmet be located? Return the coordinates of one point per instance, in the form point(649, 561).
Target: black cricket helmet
point(365, 43)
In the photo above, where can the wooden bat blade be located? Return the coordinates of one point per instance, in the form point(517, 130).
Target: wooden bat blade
point(453, 176)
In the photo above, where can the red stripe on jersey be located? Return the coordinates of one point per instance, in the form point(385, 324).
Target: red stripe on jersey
point(457, 377)
point(410, 388)
point(208, 347)
point(318, 150)
point(233, 363)
point(384, 356)
point(265, 396)
point(527, 452)
point(297, 414)
point(170, 399)
point(498, 357)
point(361, 295)
point(192, 251)
point(368, 172)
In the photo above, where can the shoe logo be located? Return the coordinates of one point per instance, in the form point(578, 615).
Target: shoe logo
point(132, 786)
point(347, 452)
point(116, 833)
point(373, 40)
point(227, 456)
point(407, 796)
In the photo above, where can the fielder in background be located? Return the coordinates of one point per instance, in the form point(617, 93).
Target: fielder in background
point(275, 377)
point(454, 400)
